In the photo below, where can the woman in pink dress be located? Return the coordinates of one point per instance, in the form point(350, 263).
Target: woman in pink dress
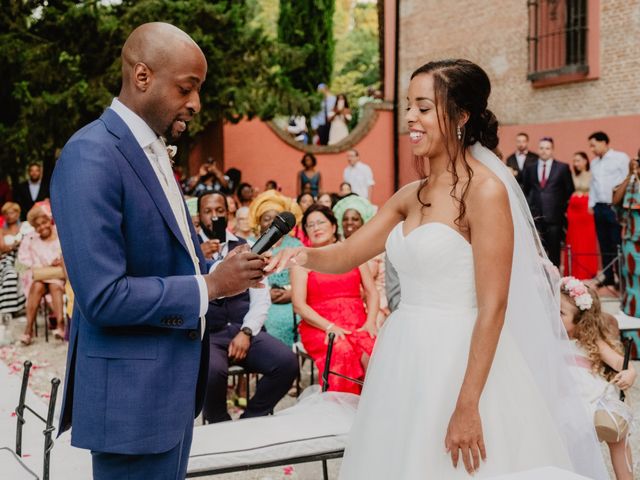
point(330, 303)
point(42, 249)
point(581, 231)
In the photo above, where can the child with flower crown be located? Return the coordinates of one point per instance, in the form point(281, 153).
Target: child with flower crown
point(598, 358)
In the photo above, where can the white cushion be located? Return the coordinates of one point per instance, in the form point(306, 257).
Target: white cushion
point(625, 322)
point(11, 467)
point(317, 424)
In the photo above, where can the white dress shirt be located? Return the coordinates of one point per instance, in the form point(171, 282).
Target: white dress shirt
point(259, 298)
point(541, 164)
point(34, 189)
point(360, 177)
point(520, 158)
point(607, 172)
point(145, 137)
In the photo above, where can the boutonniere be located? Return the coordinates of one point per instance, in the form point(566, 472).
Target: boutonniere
point(171, 151)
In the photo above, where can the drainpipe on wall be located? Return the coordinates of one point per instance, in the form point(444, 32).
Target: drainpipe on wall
point(396, 123)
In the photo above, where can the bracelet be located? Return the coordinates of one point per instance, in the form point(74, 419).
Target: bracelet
point(329, 327)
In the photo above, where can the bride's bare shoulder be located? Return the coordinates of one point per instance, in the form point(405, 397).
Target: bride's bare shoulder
point(486, 187)
point(405, 197)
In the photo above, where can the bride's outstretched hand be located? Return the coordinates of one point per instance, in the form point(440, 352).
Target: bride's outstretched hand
point(464, 438)
point(285, 258)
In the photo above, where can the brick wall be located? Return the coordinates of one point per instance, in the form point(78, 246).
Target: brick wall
point(493, 34)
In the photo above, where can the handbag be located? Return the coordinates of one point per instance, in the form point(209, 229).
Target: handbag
point(48, 273)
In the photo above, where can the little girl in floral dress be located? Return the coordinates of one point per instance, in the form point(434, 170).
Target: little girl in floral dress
point(598, 359)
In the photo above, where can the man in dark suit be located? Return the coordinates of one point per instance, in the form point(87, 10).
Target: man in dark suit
point(548, 185)
point(36, 189)
point(138, 346)
point(521, 158)
point(236, 332)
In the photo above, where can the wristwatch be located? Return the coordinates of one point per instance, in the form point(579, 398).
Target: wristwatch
point(247, 331)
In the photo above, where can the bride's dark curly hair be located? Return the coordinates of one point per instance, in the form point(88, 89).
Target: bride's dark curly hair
point(460, 86)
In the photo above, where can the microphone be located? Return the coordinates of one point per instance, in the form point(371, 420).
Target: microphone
point(280, 226)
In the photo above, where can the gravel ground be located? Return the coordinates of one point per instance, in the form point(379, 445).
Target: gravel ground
point(49, 361)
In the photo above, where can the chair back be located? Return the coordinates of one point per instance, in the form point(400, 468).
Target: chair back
point(49, 428)
point(327, 367)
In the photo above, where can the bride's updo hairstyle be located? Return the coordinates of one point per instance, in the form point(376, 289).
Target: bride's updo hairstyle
point(460, 86)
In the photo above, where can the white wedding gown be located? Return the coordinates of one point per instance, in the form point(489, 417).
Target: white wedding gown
point(417, 368)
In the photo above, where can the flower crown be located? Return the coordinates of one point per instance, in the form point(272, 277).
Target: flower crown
point(577, 291)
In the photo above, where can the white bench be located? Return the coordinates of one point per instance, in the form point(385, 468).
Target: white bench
point(315, 429)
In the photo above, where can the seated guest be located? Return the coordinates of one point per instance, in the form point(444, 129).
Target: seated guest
point(243, 227)
point(245, 194)
point(236, 335)
point(42, 249)
point(271, 185)
point(11, 296)
point(192, 207)
point(263, 210)
point(326, 199)
point(209, 179)
point(305, 200)
point(353, 212)
point(345, 191)
point(332, 303)
point(212, 216)
point(233, 208)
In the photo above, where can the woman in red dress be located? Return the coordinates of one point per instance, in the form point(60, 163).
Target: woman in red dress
point(581, 232)
point(331, 303)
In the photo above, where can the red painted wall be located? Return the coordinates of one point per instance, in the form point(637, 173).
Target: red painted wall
point(253, 148)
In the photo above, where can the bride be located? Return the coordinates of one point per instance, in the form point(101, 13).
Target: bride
point(469, 375)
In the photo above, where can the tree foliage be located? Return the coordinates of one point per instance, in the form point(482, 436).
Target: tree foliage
point(308, 24)
point(357, 63)
point(60, 67)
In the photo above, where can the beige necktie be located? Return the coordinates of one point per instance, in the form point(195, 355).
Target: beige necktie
point(170, 187)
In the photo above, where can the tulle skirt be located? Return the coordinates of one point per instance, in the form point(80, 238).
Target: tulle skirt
point(410, 392)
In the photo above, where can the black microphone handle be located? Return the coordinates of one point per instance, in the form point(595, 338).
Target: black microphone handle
point(267, 240)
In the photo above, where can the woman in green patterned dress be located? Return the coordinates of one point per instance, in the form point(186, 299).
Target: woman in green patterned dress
point(627, 195)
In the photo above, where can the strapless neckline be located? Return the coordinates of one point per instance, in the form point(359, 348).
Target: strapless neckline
point(400, 227)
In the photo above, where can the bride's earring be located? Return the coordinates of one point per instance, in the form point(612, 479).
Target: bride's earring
point(459, 133)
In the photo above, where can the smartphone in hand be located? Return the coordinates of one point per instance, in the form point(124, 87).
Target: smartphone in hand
point(219, 229)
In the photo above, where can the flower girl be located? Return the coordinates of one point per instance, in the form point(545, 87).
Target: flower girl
point(599, 370)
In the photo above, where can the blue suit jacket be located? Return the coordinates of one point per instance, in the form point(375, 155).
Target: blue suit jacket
point(136, 365)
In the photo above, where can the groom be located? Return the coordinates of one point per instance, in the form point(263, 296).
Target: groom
point(138, 347)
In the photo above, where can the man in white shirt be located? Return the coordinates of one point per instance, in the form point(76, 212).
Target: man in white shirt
point(358, 175)
point(608, 169)
point(236, 335)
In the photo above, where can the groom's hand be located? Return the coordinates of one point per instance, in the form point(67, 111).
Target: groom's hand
point(240, 270)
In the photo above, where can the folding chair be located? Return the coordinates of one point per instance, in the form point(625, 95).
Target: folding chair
point(303, 356)
point(49, 428)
